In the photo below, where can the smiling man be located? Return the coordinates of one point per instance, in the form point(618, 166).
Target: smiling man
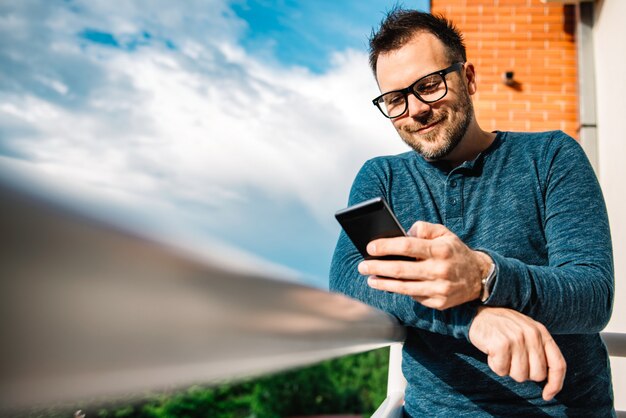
point(512, 277)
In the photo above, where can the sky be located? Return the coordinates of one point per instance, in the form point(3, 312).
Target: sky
point(242, 122)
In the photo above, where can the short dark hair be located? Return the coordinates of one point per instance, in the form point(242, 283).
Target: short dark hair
point(399, 26)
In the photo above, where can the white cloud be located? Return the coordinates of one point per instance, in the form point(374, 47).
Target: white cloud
point(194, 128)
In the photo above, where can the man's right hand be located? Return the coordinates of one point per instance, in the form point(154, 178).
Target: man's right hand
point(519, 347)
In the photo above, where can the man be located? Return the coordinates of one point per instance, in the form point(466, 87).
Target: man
point(513, 273)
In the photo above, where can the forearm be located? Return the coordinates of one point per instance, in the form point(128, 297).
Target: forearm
point(573, 291)
point(570, 299)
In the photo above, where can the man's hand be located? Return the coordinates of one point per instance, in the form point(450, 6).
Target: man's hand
point(445, 273)
point(519, 347)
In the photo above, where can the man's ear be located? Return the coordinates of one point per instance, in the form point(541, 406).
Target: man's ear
point(470, 77)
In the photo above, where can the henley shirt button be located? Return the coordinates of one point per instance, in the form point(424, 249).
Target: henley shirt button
point(453, 183)
point(453, 201)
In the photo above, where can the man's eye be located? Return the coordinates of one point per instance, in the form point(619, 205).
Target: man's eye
point(394, 99)
point(427, 88)
point(428, 85)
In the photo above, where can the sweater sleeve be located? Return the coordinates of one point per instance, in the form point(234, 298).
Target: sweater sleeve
point(345, 278)
point(573, 294)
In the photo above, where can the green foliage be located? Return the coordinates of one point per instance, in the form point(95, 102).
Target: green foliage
point(354, 384)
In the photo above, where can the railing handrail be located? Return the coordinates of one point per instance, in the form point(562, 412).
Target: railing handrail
point(93, 311)
point(615, 343)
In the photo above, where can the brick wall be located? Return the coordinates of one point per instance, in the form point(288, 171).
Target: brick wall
point(534, 40)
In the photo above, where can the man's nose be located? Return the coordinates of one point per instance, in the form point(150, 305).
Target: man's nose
point(416, 107)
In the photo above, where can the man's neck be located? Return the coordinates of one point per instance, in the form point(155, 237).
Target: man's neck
point(473, 143)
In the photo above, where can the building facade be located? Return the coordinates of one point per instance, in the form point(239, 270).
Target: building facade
point(524, 52)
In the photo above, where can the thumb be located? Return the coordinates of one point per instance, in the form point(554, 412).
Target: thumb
point(426, 230)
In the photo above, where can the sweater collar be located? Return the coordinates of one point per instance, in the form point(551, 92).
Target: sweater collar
point(474, 165)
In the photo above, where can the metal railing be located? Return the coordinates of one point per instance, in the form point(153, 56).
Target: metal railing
point(91, 310)
point(396, 383)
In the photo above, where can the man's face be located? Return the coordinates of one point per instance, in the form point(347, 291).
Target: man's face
point(435, 129)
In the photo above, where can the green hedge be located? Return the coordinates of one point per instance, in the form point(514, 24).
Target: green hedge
point(354, 384)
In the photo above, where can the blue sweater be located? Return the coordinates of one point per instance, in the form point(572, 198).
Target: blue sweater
point(532, 202)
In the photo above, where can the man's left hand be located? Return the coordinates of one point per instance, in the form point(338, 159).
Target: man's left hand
point(445, 273)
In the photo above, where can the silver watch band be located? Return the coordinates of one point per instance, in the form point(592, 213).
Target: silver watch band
point(487, 283)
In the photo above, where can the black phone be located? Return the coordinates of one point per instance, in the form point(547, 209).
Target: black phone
point(370, 220)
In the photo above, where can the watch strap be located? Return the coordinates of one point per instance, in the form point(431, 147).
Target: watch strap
point(487, 283)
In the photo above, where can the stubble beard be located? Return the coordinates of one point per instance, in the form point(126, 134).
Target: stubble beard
point(439, 143)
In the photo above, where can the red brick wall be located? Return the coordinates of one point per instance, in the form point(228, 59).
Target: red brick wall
point(534, 40)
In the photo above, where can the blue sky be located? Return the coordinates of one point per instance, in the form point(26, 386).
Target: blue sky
point(216, 117)
point(306, 33)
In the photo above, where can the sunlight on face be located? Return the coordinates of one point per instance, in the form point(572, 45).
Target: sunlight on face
point(433, 130)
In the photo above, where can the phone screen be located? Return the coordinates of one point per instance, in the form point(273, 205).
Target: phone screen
point(370, 220)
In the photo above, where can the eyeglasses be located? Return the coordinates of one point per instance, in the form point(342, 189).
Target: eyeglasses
point(428, 89)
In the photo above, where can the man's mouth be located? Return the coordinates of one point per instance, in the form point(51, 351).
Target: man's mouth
point(424, 128)
point(427, 127)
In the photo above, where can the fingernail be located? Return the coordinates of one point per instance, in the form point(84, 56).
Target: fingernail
point(371, 249)
point(372, 281)
point(363, 268)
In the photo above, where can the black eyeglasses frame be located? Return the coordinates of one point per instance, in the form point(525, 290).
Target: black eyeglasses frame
point(457, 66)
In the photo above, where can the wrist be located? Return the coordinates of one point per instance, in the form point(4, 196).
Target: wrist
point(487, 276)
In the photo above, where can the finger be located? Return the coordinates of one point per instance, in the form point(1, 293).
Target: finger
point(556, 370)
point(438, 303)
point(404, 287)
point(519, 364)
point(538, 369)
point(426, 230)
point(409, 270)
point(410, 247)
point(500, 362)
point(537, 358)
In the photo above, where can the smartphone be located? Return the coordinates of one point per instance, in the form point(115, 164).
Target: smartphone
point(370, 220)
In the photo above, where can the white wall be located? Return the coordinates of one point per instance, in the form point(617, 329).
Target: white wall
point(610, 66)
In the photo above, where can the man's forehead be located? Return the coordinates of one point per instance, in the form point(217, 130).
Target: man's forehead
point(421, 55)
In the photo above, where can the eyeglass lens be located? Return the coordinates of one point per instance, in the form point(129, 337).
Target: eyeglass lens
point(429, 89)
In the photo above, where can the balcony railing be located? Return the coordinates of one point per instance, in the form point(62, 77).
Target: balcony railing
point(92, 310)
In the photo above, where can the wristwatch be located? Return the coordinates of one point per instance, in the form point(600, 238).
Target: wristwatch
point(487, 283)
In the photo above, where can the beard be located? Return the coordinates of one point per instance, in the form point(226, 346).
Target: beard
point(438, 143)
